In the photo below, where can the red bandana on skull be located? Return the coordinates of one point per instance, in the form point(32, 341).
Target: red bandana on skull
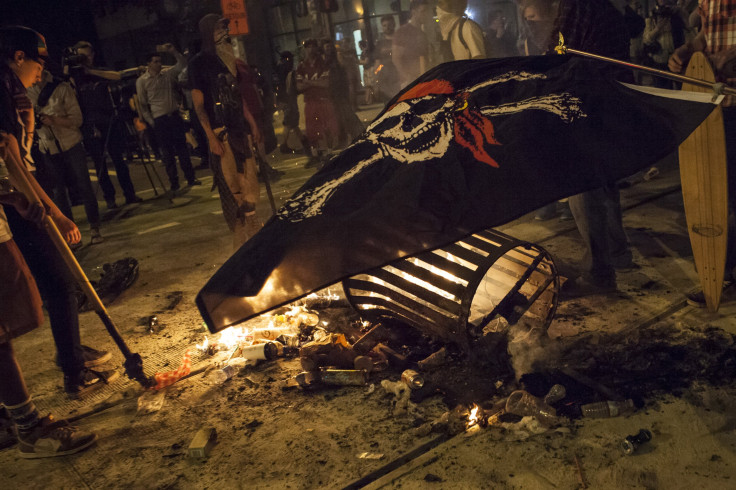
point(472, 129)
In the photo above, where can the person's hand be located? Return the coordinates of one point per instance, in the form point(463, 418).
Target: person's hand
point(679, 59)
point(68, 229)
point(33, 212)
point(215, 145)
point(48, 120)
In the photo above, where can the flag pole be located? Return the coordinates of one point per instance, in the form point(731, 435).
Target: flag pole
point(719, 88)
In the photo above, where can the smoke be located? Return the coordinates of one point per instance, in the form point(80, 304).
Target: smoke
point(530, 348)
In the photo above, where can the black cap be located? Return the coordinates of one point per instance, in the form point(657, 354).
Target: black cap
point(19, 38)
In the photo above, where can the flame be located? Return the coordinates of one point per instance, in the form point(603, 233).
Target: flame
point(232, 337)
point(474, 415)
point(205, 345)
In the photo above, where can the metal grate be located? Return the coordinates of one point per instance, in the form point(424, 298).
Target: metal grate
point(455, 292)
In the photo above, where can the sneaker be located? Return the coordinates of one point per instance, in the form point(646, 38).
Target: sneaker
point(7, 431)
point(88, 381)
point(53, 438)
point(697, 299)
point(284, 149)
point(111, 204)
point(92, 357)
point(194, 182)
point(96, 237)
point(581, 287)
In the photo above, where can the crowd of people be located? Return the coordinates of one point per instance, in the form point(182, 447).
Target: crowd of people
point(59, 121)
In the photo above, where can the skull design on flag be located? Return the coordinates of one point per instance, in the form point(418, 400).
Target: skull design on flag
point(425, 121)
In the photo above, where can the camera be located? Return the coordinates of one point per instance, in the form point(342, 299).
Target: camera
point(72, 58)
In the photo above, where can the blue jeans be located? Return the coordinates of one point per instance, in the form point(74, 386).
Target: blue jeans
point(598, 217)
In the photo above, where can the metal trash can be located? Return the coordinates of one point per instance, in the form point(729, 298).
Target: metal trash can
point(483, 282)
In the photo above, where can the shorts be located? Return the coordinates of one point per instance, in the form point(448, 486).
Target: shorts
point(21, 310)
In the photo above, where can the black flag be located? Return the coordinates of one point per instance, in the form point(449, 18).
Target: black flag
point(468, 146)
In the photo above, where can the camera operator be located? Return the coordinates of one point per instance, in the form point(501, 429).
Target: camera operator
point(60, 144)
point(159, 105)
point(103, 128)
point(664, 30)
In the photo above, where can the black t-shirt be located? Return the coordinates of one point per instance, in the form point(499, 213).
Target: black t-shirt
point(94, 98)
point(222, 100)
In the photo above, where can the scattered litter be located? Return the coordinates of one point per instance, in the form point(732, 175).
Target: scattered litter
point(229, 370)
point(152, 324)
point(525, 428)
point(435, 360)
point(370, 456)
point(150, 402)
point(413, 379)
point(432, 478)
point(631, 444)
point(202, 443)
point(525, 404)
point(115, 278)
point(170, 377)
point(610, 408)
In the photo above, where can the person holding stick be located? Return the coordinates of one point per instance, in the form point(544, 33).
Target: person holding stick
point(23, 57)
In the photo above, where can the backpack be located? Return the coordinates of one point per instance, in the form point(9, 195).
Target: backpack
point(457, 30)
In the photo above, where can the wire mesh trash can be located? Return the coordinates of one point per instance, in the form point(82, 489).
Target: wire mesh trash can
point(483, 282)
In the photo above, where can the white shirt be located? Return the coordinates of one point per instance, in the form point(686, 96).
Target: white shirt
point(63, 102)
point(473, 37)
point(157, 95)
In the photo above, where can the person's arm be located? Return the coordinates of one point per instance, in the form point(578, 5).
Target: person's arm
point(73, 114)
point(682, 55)
point(19, 173)
point(181, 61)
point(143, 106)
point(214, 143)
point(32, 212)
point(106, 74)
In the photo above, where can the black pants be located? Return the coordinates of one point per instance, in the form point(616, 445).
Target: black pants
point(70, 181)
point(56, 285)
point(115, 148)
point(170, 131)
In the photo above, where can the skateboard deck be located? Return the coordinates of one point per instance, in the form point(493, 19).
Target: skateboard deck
point(705, 190)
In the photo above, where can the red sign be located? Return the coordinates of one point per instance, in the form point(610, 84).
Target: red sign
point(235, 11)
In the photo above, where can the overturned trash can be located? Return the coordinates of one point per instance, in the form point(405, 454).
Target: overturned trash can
point(484, 282)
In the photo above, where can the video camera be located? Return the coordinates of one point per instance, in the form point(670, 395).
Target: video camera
point(72, 58)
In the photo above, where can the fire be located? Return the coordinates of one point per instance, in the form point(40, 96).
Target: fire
point(204, 345)
point(474, 416)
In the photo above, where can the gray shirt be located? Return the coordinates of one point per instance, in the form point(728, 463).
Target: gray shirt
point(157, 95)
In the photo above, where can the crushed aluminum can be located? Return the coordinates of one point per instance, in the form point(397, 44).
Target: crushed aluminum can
point(413, 379)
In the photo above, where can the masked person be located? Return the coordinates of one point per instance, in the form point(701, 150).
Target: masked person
point(227, 122)
point(23, 53)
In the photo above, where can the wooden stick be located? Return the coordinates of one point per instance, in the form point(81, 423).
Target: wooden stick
point(581, 473)
point(133, 362)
